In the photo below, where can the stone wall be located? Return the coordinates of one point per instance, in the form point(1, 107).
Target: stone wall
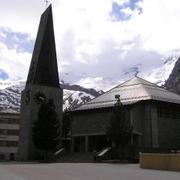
point(90, 122)
point(169, 127)
point(29, 112)
point(154, 133)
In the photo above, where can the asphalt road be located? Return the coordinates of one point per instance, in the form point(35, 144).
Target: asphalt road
point(82, 171)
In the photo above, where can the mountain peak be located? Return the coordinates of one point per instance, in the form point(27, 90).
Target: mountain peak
point(173, 82)
point(74, 95)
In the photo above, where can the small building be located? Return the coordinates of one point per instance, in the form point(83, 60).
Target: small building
point(9, 134)
point(153, 111)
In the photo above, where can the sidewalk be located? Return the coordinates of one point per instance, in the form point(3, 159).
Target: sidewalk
point(82, 171)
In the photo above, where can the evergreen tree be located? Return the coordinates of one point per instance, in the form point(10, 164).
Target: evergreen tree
point(66, 123)
point(119, 129)
point(46, 129)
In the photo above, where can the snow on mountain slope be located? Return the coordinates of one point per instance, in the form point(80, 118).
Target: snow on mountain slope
point(10, 96)
point(173, 82)
point(72, 99)
point(160, 75)
point(75, 95)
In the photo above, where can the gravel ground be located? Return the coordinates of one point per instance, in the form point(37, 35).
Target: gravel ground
point(81, 171)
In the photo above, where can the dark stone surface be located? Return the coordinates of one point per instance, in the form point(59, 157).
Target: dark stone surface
point(43, 69)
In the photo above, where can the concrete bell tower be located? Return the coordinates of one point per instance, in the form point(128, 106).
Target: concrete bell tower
point(43, 80)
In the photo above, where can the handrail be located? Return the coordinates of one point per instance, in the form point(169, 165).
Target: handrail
point(59, 151)
point(103, 151)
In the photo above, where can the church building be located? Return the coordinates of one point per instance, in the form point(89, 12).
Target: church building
point(153, 112)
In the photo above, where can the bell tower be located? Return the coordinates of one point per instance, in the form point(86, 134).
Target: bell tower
point(42, 80)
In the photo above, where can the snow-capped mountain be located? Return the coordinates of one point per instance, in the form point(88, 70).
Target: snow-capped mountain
point(161, 74)
point(157, 75)
point(10, 97)
point(173, 82)
point(72, 99)
point(73, 95)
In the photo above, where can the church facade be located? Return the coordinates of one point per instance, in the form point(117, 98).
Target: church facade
point(42, 83)
point(152, 111)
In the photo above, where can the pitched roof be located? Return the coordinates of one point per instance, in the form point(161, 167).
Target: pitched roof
point(132, 91)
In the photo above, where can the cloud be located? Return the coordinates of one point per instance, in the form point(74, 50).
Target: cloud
point(97, 83)
point(14, 64)
point(16, 40)
point(21, 16)
point(158, 25)
point(96, 43)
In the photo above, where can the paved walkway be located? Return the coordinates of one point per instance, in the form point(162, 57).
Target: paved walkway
point(82, 171)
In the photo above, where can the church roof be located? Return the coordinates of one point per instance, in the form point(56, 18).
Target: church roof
point(132, 91)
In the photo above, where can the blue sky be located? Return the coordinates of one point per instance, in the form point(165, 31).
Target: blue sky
point(3, 75)
point(99, 43)
point(17, 40)
point(120, 15)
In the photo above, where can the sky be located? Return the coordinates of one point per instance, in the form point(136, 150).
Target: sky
point(99, 43)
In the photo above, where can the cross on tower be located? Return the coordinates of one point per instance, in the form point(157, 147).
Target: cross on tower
point(46, 2)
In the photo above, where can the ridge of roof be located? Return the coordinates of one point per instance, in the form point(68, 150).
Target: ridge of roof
point(121, 85)
point(137, 80)
point(131, 91)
